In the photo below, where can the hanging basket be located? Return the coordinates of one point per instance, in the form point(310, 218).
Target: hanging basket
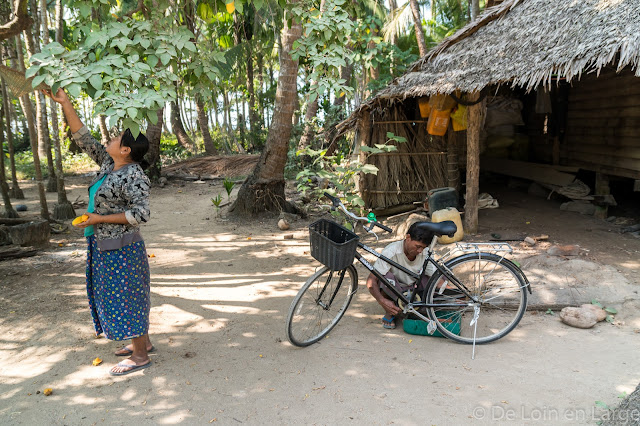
point(17, 82)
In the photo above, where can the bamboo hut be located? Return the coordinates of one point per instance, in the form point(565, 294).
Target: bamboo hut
point(581, 56)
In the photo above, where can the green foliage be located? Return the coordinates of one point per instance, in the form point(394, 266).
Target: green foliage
point(610, 311)
point(549, 312)
point(228, 186)
point(337, 174)
point(125, 67)
point(325, 44)
point(217, 200)
point(171, 150)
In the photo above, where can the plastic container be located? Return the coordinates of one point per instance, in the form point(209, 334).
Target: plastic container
point(425, 108)
point(438, 122)
point(459, 118)
point(453, 215)
point(441, 198)
point(332, 245)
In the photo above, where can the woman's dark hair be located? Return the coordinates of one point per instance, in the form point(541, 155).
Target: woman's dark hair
point(139, 147)
point(420, 234)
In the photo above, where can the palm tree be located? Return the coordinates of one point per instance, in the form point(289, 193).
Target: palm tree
point(264, 189)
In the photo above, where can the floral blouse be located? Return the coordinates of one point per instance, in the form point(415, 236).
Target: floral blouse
point(124, 190)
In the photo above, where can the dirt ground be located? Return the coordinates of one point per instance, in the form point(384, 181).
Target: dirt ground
point(220, 293)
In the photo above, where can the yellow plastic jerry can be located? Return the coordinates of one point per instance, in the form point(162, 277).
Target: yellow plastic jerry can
point(452, 214)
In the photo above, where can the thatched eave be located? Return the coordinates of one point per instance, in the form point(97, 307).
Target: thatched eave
point(523, 43)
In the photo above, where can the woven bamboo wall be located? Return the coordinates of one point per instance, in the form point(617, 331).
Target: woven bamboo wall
point(406, 175)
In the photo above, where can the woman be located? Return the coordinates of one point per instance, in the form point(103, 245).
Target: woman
point(117, 264)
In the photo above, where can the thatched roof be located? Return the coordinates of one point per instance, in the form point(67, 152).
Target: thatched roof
point(524, 43)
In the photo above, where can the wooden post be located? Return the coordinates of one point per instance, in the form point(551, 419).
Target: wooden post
point(602, 188)
point(476, 121)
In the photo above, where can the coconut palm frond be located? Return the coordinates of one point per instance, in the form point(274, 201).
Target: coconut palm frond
point(397, 22)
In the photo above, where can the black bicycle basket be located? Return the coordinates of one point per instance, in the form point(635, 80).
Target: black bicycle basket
point(332, 245)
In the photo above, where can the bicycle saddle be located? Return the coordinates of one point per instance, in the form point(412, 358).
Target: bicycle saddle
point(447, 227)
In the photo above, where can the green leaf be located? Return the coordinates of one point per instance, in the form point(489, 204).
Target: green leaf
point(152, 61)
point(96, 81)
point(152, 116)
point(84, 9)
point(165, 58)
point(36, 81)
point(369, 169)
point(602, 405)
point(611, 310)
point(33, 70)
point(145, 43)
point(598, 304)
point(132, 112)
point(609, 319)
point(74, 90)
point(113, 121)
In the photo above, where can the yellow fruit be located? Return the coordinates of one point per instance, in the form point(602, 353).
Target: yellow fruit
point(231, 7)
point(78, 220)
point(97, 361)
point(47, 391)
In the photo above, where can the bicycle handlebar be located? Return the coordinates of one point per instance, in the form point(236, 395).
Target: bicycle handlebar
point(338, 204)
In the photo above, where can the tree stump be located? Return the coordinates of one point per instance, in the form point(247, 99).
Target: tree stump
point(63, 211)
point(24, 232)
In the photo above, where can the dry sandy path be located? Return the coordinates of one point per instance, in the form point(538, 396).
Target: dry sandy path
point(220, 293)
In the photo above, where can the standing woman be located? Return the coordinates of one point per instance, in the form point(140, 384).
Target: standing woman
point(117, 264)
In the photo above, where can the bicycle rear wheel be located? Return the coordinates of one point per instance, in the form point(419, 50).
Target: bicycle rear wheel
point(320, 304)
point(498, 285)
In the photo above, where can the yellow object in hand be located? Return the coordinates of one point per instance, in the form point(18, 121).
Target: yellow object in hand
point(78, 220)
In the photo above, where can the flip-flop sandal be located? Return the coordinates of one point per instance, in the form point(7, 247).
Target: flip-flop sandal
point(389, 323)
point(130, 352)
point(132, 368)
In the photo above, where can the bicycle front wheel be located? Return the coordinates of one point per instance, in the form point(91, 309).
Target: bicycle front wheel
point(500, 290)
point(320, 304)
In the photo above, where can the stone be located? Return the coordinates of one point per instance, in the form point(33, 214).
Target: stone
point(530, 241)
point(283, 224)
point(287, 237)
point(21, 208)
point(600, 313)
point(578, 317)
point(582, 207)
point(569, 250)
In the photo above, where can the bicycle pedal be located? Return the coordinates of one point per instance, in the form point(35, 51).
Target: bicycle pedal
point(431, 327)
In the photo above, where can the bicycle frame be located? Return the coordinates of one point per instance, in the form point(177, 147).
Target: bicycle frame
point(409, 304)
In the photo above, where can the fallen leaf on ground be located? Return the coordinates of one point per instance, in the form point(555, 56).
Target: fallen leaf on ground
point(48, 391)
point(97, 361)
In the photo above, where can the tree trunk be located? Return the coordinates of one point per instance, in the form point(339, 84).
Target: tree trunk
point(104, 130)
point(253, 121)
point(178, 128)
point(4, 188)
point(264, 189)
point(260, 107)
point(44, 142)
point(15, 191)
point(203, 123)
point(476, 122)
point(27, 109)
point(309, 133)
point(417, 20)
point(475, 9)
point(154, 134)
point(330, 132)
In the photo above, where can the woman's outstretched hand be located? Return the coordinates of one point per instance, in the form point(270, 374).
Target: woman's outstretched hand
point(60, 96)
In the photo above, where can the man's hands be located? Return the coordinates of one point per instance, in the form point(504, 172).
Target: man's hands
point(389, 306)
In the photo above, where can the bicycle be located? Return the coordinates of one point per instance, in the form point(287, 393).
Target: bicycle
point(480, 292)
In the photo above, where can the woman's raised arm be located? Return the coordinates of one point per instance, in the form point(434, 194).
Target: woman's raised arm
point(61, 97)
